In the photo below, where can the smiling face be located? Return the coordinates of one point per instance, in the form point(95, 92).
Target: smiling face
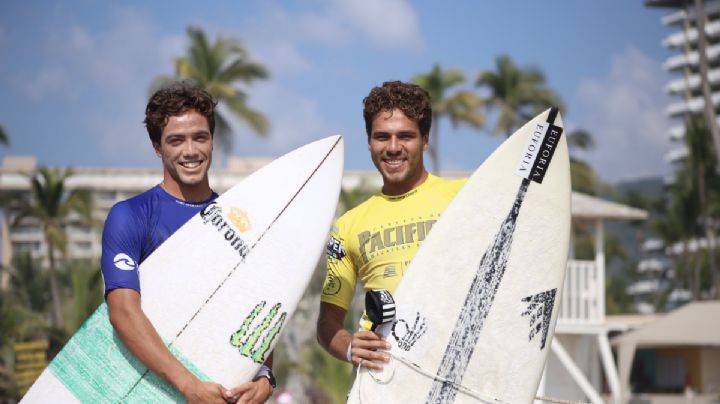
point(185, 149)
point(396, 147)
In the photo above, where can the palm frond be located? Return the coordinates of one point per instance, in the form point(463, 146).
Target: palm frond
point(4, 138)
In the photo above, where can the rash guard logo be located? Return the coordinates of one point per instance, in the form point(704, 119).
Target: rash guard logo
point(124, 262)
point(335, 249)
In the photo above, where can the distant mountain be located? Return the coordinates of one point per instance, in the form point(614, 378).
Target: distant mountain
point(650, 188)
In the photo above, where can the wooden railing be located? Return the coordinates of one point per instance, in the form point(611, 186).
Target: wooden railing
point(583, 297)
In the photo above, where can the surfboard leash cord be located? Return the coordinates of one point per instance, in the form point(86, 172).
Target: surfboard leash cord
point(463, 389)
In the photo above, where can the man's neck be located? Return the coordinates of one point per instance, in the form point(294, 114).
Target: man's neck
point(405, 187)
point(189, 193)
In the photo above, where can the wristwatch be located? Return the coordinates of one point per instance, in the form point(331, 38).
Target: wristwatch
point(267, 373)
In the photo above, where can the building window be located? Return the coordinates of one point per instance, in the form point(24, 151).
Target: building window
point(26, 246)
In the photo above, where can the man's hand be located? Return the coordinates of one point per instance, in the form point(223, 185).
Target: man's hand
point(366, 345)
point(256, 392)
point(199, 392)
point(367, 350)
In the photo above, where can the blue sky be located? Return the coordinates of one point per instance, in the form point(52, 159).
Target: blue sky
point(74, 74)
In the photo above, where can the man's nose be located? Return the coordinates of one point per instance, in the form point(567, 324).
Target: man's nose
point(189, 148)
point(393, 145)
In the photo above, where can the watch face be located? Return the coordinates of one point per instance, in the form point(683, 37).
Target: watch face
point(271, 377)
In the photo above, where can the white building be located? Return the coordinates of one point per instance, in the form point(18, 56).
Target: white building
point(686, 86)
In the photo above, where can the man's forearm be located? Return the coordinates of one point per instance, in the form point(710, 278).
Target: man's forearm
point(338, 344)
point(331, 334)
point(141, 338)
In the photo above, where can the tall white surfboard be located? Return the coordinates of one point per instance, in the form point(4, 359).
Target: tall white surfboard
point(476, 308)
point(218, 291)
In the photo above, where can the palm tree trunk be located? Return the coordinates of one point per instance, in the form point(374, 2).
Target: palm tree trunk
point(434, 145)
point(705, 218)
point(709, 108)
point(54, 287)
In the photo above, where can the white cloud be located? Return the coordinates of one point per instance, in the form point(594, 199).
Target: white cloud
point(124, 56)
point(326, 29)
point(625, 113)
point(387, 24)
point(48, 82)
point(277, 36)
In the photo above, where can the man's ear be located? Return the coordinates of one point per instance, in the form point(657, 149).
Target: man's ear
point(156, 146)
point(426, 142)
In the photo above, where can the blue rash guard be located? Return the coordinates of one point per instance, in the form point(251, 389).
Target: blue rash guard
point(135, 228)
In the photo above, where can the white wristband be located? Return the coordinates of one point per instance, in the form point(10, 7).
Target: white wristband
point(349, 353)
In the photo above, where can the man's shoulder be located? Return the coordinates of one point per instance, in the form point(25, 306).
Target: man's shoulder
point(358, 212)
point(446, 185)
point(130, 207)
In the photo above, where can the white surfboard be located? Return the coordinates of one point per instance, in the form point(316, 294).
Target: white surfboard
point(218, 291)
point(476, 309)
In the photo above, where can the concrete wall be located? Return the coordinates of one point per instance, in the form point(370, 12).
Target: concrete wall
point(710, 370)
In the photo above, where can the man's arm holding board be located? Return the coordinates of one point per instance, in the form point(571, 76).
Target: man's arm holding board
point(121, 246)
point(362, 346)
point(337, 294)
point(140, 337)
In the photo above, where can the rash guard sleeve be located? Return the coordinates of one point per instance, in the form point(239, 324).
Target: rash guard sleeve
point(121, 249)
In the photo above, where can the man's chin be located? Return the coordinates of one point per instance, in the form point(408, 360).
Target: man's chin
point(393, 178)
point(191, 180)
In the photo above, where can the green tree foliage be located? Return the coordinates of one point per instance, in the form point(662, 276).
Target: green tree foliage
point(50, 204)
point(22, 315)
point(692, 211)
point(4, 138)
point(219, 67)
point(582, 176)
point(517, 93)
point(460, 106)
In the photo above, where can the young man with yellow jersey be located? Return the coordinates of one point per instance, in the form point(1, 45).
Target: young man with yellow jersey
point(376, 241)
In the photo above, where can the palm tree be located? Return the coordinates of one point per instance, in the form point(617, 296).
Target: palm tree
point(51, 205)
point(460, 107)
point(22, 315)
point(4, 139)
point(350, 198)
point(29, 284)
point(218, 67)
point(701, 170)
point(518, 93)
point(87, 292)
point(582, 177)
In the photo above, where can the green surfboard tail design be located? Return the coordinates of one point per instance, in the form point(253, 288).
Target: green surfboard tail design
point(96, 367)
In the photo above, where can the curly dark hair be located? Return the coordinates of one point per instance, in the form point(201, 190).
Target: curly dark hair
point(409, 98)
point(173, 100)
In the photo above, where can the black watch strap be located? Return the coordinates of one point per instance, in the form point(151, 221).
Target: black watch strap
point(268, 374)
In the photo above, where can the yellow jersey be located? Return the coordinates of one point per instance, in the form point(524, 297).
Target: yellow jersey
point(376, 241)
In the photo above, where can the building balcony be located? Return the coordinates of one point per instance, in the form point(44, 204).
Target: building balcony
point(582, 301)
point(677, 155)
point(681, 16)
point(693, 105)
point(690, 59)
point(692, 82)
point(683, 38)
